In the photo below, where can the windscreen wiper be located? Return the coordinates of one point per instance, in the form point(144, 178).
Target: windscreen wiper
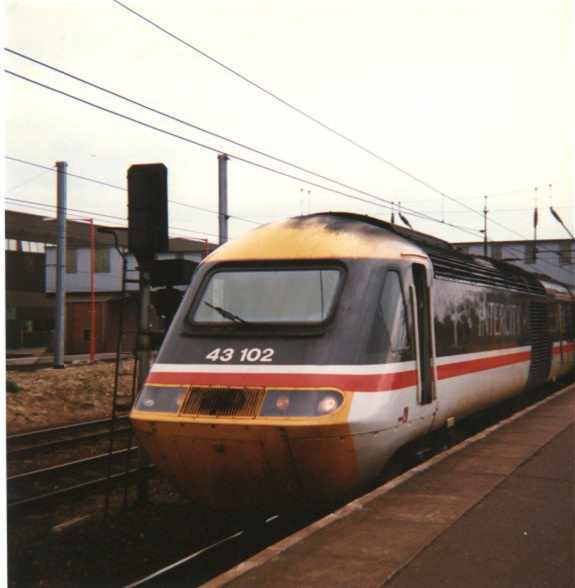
point(226, 313)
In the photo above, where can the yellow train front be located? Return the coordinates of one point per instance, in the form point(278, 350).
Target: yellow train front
point(306, 352)
point(248, 403)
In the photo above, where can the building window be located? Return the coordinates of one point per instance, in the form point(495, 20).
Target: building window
point(33, 247)
point(11, 245)
point(530, 253)
point(102, 261)
point(565, 253)
point(496, 251)
point(71, 261)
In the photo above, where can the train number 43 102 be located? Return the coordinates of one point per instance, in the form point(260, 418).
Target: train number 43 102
point(248, 354)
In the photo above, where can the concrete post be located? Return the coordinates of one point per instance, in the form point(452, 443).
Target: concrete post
point(60, 319)
point(223, 196)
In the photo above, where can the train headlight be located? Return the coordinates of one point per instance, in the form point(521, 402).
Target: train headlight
point(328, 404)
point(160, 399)
point(300, 403)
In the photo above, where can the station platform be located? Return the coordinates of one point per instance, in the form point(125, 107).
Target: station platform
point(498, 510)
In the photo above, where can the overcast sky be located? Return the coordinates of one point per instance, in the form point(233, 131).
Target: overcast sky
point(472, 97)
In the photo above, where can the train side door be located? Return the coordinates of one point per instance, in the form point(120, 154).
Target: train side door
point(420, 305)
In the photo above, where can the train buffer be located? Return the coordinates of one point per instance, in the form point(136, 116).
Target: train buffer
point(497, 510)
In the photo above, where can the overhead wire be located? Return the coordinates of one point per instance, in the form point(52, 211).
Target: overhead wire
point(43, 205)
point(435, 210)
point(415, 213)
point(380, 202)
point(305, 114)
point(17, 187)
point(52, 169)
point(117, 187)
point(182, 121)
point(314, 119)
point(258, 165)
point(202, 129)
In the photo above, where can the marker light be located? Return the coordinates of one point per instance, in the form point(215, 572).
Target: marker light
point(282, 402)
point(160, 399)
point(300, 403)
point(327, 404)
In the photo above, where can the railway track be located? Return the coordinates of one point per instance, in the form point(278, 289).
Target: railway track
point(35, 442)
point(208, 561)
point(58, 465)
point(46, 486)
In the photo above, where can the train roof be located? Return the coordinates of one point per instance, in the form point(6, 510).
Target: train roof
point(346, 234)
point(318, 236)
point(452, 263)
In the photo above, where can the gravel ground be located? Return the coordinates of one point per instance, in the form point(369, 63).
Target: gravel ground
point(51, 397)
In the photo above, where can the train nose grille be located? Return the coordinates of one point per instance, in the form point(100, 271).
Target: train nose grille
point(223, 402)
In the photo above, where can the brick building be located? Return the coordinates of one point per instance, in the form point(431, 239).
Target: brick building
point(31, 282)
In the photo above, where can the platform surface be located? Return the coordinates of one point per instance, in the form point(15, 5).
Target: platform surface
point(498, 511)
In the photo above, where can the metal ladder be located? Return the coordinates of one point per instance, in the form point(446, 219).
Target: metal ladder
point(124, 395)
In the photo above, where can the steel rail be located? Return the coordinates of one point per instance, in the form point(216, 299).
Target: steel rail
point(69, 465)
point(59, 429)
point(254, 538)
point(79, 488)
point(14, 441)
point(20, 451)
point(163, 572)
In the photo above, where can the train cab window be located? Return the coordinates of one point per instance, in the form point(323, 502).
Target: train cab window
point(267, 296)
point(389, 337)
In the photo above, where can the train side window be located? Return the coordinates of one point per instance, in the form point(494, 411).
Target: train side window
point(390, 334)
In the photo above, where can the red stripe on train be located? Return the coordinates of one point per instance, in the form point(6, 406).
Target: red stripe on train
point(367, 383)
point(470, 366)
point(567, 347)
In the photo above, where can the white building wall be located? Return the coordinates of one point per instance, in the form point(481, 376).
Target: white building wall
point(79, 281)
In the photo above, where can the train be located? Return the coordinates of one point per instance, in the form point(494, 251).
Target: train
point(306, 352)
